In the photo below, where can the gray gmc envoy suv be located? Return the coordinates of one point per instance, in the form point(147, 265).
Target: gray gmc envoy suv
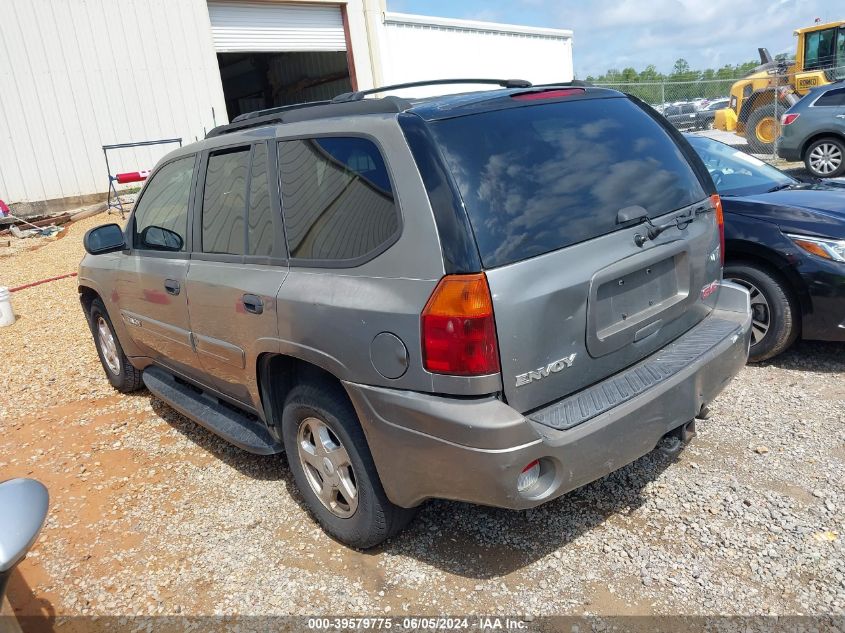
point(494, 297)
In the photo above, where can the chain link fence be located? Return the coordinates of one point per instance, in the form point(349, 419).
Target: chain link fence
point(754, 122)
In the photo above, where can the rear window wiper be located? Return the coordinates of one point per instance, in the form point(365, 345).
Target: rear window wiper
point(653, 230)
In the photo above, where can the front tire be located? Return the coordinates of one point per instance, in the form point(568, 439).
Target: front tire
point(333, 467)
point(119, 371)
point(774, 311)
point(825, 158)
point(762, 129)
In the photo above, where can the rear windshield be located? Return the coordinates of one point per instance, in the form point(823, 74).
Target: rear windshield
point(539, 178)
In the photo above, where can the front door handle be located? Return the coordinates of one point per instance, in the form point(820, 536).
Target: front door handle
point(253, 304)
point(172, 286)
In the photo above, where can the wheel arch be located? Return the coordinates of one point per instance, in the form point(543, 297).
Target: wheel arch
point(278, 373)
point(777, 266)
point(818, 136)
point(87, 294)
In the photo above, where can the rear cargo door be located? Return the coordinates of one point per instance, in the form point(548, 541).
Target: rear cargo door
point(556, 194)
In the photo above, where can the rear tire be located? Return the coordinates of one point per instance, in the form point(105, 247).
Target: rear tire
point(774, 310)
point(826, 154)
point(119, 371)
point(761, 130)
point(340, 485)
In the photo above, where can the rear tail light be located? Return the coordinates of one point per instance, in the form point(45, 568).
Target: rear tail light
point(529, 476)
point(458, 329)
point(720, 220)
point(787, 119)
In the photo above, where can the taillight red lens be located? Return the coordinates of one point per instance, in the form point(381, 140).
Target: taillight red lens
point(786, 119)
point(458, 329)
point(720, 219)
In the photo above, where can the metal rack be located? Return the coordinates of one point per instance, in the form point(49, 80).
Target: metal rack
point(113, 200)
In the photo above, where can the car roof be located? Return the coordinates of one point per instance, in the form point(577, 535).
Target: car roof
point(263, 123)
point(428, 108)
point(454, 105)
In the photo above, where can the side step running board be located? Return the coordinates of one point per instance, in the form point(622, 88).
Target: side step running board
point(235, 428)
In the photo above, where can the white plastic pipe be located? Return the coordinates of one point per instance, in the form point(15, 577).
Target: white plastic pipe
point(7, 316)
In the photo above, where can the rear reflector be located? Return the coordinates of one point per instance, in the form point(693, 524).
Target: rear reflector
point(716, 201)
point(786, 119)
point(458, 329)
point(547, 94)
point(529, 476)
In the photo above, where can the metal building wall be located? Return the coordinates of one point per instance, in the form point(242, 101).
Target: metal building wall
point(422, 47)
point(77, 74)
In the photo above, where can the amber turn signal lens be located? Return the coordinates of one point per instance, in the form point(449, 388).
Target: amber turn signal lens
point(812, 247)
point(716, 201)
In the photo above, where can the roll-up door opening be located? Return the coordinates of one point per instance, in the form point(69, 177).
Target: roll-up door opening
point(274, 53)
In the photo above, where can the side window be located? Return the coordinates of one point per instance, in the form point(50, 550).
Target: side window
point(161, 217)
point(260, 218)
point(224, 202)
point(337, 199)
point(832, 98)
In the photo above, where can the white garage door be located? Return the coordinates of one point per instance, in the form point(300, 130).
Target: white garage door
point(274, 26)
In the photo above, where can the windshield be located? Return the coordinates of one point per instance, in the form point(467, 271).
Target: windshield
point(736, 173)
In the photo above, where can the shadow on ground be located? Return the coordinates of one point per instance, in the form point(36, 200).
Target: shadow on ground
point(460, 538)
point(481, 542)
point(35, 613)
point(812, 356)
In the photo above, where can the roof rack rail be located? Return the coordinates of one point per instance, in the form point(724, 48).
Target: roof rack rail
point(360, 94)
point(310, 111)
point(275, 110)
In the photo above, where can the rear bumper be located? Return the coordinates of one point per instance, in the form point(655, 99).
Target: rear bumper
point(473, 450)
point(788, 148)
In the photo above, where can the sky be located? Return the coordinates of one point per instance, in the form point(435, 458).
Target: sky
point(622, 33)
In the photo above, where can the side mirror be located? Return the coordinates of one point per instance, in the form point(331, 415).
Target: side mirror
point(161, 239)
point(23, 509)
point(107, 238)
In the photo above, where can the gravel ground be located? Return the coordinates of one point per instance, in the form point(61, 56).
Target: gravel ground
point(152, 514)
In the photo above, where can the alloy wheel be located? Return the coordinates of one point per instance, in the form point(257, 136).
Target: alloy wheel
point(327, 467)
point(825, 158)
point(761, 314)
point(108, 346)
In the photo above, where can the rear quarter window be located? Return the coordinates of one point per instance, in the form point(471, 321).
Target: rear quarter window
point(337, 200)
point(539, 178)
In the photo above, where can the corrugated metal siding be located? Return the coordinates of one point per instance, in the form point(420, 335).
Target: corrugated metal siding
point(454, 51)
point(78, 74)
point(309, 66)
point(268, 26)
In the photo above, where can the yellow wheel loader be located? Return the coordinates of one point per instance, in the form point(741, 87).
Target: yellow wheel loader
point(758, 100)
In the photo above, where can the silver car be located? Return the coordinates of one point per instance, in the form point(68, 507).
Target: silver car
point(495, 297)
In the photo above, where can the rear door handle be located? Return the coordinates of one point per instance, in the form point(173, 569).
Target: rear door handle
point(253, 304)
point(172, 286)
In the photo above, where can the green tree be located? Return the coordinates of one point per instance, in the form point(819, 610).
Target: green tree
point(681, 67)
